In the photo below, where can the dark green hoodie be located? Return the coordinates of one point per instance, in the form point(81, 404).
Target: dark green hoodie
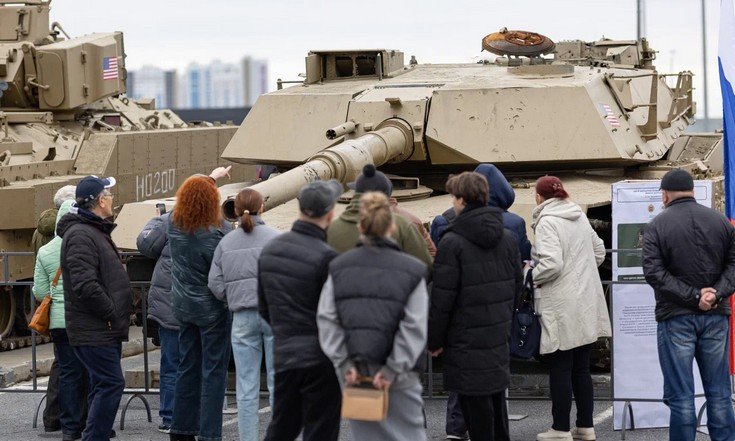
point(342, 234)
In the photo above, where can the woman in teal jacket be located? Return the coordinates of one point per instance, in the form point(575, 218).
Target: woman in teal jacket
point(71, 370)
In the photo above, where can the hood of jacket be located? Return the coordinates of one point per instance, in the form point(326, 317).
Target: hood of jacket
point(556, 207)
point(82, 216)
point(482, 226)
point(47, 222)
point(501, 193)
point(63, 210)
point(352, 212)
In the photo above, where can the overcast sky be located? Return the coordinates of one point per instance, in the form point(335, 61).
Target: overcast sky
point(172, 34)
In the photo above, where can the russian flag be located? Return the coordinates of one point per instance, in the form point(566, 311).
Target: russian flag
point(726, 59)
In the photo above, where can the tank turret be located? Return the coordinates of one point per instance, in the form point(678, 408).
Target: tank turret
point(39, 69)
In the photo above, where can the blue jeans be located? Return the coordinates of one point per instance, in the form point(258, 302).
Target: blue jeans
point(71, 384)
point(681, 340)
point(250, 334)
point(204, 353)
point(106, 385)
point(169, 365)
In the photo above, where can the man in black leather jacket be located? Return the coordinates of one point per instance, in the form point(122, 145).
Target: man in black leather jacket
point(689, 260)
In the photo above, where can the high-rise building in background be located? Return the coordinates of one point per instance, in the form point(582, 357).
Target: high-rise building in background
point(153, 82)
point(214, 85)
point(255, 79)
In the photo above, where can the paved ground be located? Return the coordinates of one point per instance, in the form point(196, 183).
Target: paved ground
point(16, 414)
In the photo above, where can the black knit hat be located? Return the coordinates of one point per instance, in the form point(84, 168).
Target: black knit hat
point(677, 180)
point(372, 180)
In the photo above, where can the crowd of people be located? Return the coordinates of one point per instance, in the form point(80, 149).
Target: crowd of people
point(365, 298)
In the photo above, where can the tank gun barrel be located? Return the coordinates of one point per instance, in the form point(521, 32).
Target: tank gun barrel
point(344, 162)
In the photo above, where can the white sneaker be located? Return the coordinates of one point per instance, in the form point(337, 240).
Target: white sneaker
point(552, 434)
point(584, 433)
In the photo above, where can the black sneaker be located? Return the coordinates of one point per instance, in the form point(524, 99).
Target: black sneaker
point(52, 428)
point(113, 434)
point(73, 437)
point(164, 428)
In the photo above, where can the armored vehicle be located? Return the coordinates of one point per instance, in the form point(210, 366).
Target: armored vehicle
point(63, 115)
point(593, 112)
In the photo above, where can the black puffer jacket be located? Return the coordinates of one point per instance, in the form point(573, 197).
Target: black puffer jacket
point(291, 272)
point(688, 247)
point(98, 298)
point(477, 277)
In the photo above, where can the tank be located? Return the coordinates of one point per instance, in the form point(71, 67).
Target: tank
point(63, 115)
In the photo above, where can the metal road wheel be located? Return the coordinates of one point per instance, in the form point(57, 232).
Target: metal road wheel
point(7, 312)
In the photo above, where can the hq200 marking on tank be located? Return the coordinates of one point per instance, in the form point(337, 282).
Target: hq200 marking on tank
point(155, 183)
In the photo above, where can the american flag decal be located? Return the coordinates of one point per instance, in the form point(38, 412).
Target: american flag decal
point(109, 68)
point(610, 115)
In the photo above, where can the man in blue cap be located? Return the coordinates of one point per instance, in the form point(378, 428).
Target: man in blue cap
point(97, 300)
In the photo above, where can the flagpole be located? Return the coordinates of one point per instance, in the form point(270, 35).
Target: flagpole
point(704, 59)
point(639, 16)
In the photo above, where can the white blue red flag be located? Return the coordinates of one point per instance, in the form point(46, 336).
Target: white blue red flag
point(726, 60)
point(109, 68)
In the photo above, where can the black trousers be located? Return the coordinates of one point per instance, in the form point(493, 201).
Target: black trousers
point(308, 398)
point(569, 371)
point(455, 420)
point(51, 422)
point(486, 416)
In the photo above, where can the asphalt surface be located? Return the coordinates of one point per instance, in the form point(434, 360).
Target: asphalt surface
point(16, 415)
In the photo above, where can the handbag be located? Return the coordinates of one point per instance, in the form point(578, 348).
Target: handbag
point(363, 402)
point(41, 317)
point(525, 330)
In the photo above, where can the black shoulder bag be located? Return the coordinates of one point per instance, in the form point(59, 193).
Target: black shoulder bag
point(525, 330)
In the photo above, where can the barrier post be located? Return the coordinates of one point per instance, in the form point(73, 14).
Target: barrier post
point(146, 389)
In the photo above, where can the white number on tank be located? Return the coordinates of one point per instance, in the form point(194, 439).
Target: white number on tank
point(154, 184)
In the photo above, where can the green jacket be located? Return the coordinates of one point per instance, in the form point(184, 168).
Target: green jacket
point(342, 234)
point(47, 262)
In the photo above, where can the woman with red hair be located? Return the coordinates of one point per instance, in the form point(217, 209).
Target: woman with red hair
point(194, 230)
point(570, 302)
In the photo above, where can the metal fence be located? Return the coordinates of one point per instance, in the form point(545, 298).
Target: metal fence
point(628, 421)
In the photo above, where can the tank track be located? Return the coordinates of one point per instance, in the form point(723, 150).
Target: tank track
point(10, 343)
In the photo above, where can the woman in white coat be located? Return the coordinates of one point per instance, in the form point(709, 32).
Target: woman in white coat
point(570, 299)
